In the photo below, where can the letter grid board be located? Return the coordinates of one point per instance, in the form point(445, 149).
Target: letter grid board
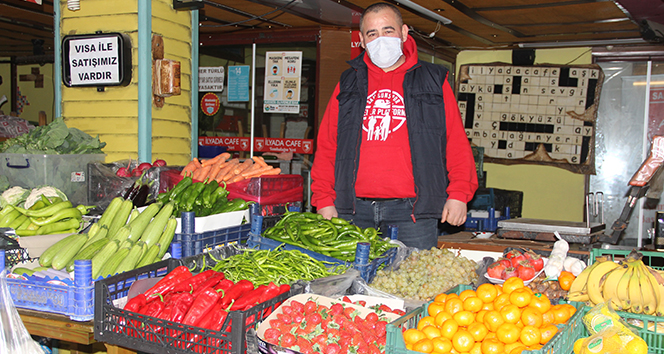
point(542, 114)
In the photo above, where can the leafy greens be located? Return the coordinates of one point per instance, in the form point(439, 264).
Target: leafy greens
point(54, 138)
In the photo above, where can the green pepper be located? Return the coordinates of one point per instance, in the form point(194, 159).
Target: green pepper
point(180, 187)
point(339, 221)
point(45, 200)
point(38, 205)
point(189, 202)
point(206, 194)
point(59, 215)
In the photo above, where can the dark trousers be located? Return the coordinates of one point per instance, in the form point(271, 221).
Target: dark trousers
point(422, 234)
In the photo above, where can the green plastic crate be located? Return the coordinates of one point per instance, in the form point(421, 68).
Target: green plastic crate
point(648, 324)
point(561, 343)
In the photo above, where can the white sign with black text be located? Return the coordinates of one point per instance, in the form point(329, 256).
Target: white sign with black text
point(94, 61)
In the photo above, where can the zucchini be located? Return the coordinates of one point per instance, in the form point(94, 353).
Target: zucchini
point(149, 256)
point(65, 255)
point(122, 234)
point(87, 252)
point(133, 215)
point(154, 230)
point(126, 243)
point(139, 224)
point(132, 258)
point(120, 218)
point(92, 231)
point(100, 259)
point(46, 259)
point(113, 262)
point(109, 213)
point(167, 236)
point(101, 234)
point(23, 271)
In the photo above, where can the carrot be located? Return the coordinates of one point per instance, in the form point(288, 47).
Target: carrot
point(257, 172)
point(273, 171)
point(201, 173)
point(216, 168)
point(226, 170)
point(253, 167)
point(221, 157)
point(237, 178)
point(190, 167)
point(197, 163)
point(243, 166)
point(260, 161)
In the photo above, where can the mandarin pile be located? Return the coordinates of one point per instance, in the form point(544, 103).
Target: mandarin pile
point(424, 274)
point(492, 319)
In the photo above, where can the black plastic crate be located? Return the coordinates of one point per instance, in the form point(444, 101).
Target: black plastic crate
point(128, 329)
point(14, 253)
point(498, 199)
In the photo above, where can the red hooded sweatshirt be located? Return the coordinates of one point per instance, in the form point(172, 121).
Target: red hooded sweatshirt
point(385, 169)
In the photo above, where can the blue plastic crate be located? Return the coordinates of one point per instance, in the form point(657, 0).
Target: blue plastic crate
point(193, 243)
point(367, 271)
point(489, 223)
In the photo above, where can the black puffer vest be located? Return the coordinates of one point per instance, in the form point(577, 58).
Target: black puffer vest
point(425, 112)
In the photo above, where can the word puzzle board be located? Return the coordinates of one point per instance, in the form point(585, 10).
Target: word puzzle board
point(543, 114)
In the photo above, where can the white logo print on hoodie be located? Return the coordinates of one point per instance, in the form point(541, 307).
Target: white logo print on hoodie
point(384, 114)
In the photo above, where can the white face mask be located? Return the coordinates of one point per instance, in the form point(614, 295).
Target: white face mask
point(384, 51)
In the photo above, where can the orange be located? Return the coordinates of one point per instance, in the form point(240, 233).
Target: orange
point(565, 279)
point(466, 294)
point(501, 300)
point(440, 297)
point(423, 346)
point(492, 320)
point(487, 292)
point(412, 336)
point(441, 345)
point(570, 308)
point(431, 331)
point(490, 335)
point(530, 335)
point(509, 347)
point(476, 349)
point(426, 321)
point(540, 302)
point(441, 318)
point(449, 328)
point(511, 313)
point(508, 333)
point(534, 347)
point(488, 306)
point(531, 317)
point(519, 349)
point(548, 318)
point(519, 324)
point(560, 314)
point(521, 297)
point(452, 295)
point(453, 305)
point(492, 346)
point(478, 331)
point(547, 332)
point(479, 317)
point(435, 308)
point(464, 318)
point(512, 284)
point(463, 341)
point(499, 288)
point(473, 304)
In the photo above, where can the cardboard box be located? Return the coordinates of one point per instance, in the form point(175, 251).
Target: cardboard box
point(268, 348)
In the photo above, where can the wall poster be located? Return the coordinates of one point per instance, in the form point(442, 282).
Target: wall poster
point(282, 82)
point(541, 114)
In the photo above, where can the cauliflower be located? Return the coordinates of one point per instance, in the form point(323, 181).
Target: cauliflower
point(14, 196)
point(47, 191)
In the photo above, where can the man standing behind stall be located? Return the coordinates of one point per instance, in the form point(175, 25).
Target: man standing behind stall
point(391, 147)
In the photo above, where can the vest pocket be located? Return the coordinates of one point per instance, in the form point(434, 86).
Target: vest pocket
point(432, 109)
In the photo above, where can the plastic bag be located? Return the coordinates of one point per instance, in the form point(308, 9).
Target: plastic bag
point(14, 337)
point(609, 334)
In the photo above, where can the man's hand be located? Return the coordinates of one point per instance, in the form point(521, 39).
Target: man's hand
point(454, 212)
point(330, 212)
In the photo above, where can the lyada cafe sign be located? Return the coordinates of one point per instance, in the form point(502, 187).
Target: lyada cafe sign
point(297, 146)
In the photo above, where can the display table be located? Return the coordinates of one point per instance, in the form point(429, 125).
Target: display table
point(60, 327)
point(467, 241)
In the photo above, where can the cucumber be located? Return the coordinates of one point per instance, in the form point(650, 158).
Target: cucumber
point(65, 255)
point(109, 213)
point(113, 262)
point(120, 218)
point(100, 259)
point(132, 258)
point(87, 252)
point(139, 224)
point(149, 256)
point(46, 259)
point(154, 230)
point(167, 236)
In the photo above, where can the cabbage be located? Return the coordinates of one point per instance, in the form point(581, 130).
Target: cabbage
point(14, 196)
point(47, 191)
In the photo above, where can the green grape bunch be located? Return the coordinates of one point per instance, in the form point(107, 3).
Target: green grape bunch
point(425, 274)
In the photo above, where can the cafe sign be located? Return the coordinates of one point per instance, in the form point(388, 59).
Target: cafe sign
point(297, 146)
point(96, 60)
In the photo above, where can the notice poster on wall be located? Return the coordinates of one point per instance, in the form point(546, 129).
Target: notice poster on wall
point(281, 92)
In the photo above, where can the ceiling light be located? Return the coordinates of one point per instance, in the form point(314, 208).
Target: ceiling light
point(652, 83)
point(582, 43)
point(424, 11)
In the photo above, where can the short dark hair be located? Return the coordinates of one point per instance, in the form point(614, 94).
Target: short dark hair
point(380, 6)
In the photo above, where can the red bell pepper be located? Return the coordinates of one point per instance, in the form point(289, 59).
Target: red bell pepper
point(224, 285)
point(271, 292)
point(249, 298)
point(284, 288)
point(135, 304)
point(213, 321)
point(177, 306)
point(152, 309)
point(194, 282)
point(235, 291)
point(166, 285)
point(209, 283)
point(201, 307)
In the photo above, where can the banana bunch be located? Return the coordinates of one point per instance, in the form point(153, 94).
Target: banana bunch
point(629, 285)
point(45, 217)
